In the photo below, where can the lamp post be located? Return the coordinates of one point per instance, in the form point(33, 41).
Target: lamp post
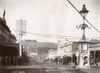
point(83, 26)
point(84, 52)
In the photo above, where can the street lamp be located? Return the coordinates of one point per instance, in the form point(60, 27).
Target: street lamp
point(84, 52)
point(84, 11)
point(83, 26)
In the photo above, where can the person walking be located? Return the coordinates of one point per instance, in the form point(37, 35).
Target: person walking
point(74, 58)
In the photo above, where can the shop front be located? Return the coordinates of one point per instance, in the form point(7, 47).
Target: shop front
point(9, 53)
point(94, 55)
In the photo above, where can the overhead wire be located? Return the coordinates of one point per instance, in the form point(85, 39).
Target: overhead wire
point(42, 34)
point(47, 35)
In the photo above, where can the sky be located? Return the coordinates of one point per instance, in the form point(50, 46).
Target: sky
point(56, 17)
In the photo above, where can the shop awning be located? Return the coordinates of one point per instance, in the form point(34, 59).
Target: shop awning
point(6, 44)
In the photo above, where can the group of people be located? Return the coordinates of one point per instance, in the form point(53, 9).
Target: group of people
point(10, 60)
point(13, 60)
point(65, 60)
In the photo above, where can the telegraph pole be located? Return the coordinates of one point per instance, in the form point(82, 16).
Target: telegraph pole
point(20, 49)
point(20, 28)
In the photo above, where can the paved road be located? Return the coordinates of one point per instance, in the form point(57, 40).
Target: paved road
point(46, 68)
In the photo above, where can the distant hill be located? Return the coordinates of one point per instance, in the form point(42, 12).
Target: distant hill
point(32, 46)
point(45, 47)
point(49, 45)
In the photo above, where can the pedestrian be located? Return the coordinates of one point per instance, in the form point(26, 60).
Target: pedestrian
point(74, 58)
point(56, 60)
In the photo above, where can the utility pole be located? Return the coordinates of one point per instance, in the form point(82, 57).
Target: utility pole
point(20, 29)
point(20, 49)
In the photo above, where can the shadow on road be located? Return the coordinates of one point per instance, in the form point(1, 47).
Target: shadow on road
point(39, 70)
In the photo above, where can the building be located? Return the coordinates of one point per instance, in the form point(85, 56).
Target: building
point(64, 47)
point(94, 50)
point(8, 46)
point(87, 52)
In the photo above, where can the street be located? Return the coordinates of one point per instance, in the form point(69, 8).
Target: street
point(47, 68)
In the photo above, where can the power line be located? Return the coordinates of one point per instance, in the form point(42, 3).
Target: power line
point(83, 16)
point(47, 35)
point(44, 35)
